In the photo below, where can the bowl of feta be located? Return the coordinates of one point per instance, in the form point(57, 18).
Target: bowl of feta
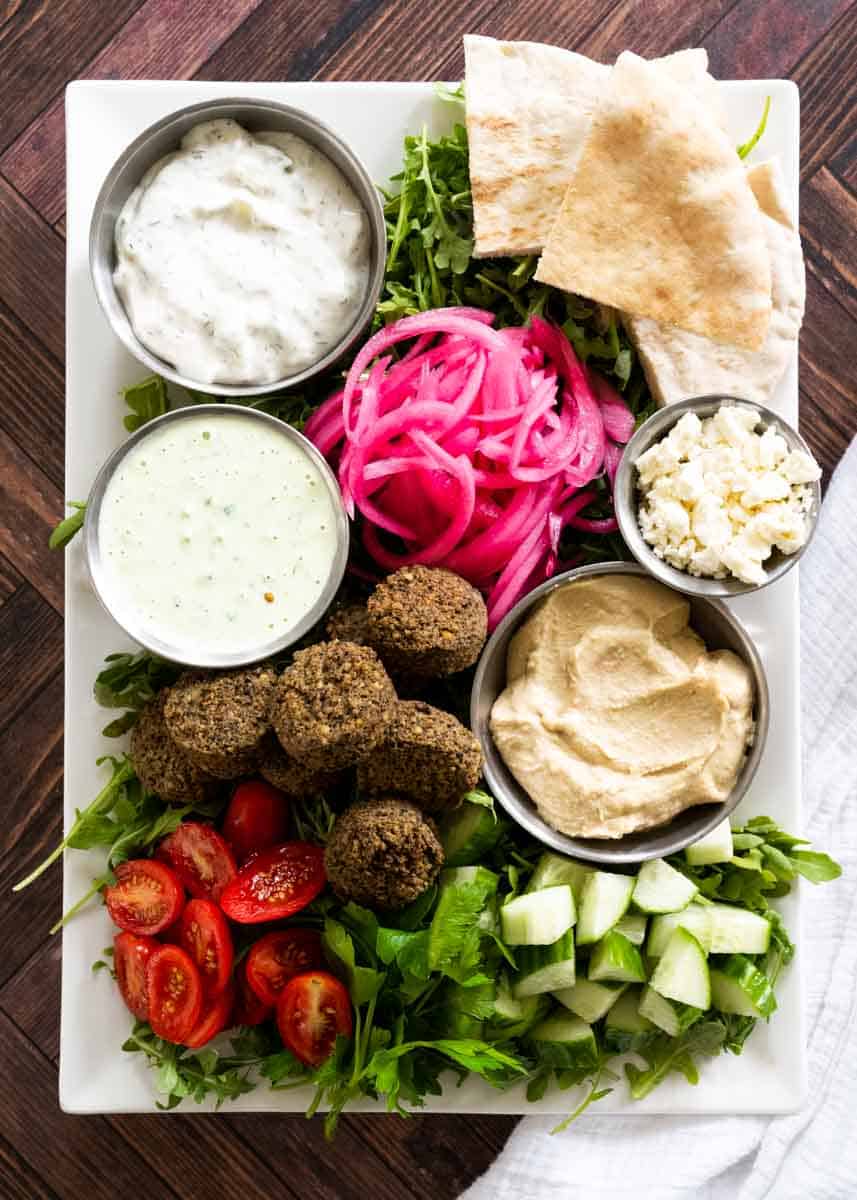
point(237, 247)
point(717, 496)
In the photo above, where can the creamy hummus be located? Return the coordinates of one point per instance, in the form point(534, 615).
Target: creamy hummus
point(615, 716)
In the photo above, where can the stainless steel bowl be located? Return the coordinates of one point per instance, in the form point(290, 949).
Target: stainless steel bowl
point(720, 631)
point(162, 138)
point(626, 498)
point(126, 617)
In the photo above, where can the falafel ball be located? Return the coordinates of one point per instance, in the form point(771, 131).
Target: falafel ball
point(382, 853)
point(161, 766)
point(220, 720)
point(427, 621)
point(291, 775)
point(332, 706)
point(426, 755)
point(350, 623)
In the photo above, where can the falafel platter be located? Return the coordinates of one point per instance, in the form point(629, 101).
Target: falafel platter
point(414, 786)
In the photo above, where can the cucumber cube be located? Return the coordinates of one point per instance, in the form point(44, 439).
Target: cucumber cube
point(565, 1041)
point(604, 901)
point(682, 972)
point(538, 918)
point(715, 847)
point(616, 960)
point(660, 888)
point(588, 1000)
point(694, 919)
point(738, 986)
point(669, 1015)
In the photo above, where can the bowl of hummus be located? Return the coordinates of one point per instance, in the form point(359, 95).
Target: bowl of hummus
point(619, 720)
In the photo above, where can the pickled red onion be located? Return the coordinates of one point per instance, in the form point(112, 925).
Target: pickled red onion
point(476, 448)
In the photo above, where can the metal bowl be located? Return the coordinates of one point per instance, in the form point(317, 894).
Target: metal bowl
point(626, 498)
point(125, 616)
point(719, 629)
point(162, 138)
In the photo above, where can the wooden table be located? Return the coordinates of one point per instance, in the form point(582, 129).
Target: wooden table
point(43, 45)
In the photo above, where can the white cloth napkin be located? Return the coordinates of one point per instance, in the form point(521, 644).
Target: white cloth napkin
point(811, 1155)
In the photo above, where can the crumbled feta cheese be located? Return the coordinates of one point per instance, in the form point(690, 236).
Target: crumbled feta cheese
point(718, 496)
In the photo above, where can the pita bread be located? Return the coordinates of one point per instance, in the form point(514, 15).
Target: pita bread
point(659, 219)
point(680, 364)
point(529, 108)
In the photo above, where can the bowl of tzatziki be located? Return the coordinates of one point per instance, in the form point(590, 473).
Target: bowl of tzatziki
point(238, 247)
point(216, 536)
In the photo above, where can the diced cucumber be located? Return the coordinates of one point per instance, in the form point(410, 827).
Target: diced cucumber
point(545, 968)
point(603, 902)
point(738, 986)
point(552, 869)
point(626, 1027)
point(633, 927)
point(715, 847)
point(564, 1041)
point(660, 888)
point(694, 919)
point(464, 894)
point(513, 1016)
point(588, 1000)
point(673, 1018)
point(737, 931)
point(538, 918)
point(616, 960)
point(682, 972)
point(467, 833)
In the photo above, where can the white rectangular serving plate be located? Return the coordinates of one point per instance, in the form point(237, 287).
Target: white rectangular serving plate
point(95, 1075)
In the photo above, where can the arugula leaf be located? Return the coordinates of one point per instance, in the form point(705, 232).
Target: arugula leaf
point(147, 400)
point(745, 147)
point(384, 1070)
point(665, 1055)
point(69, 526)
point(814, 866)
point(132, 680)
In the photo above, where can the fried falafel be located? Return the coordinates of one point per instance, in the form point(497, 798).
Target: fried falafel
point(161, 766)
point(382, 853)
point(426, 755)
point(427, 622)
point(349, 623)
point(292, 776)
point(332, 706)
point(220, 720)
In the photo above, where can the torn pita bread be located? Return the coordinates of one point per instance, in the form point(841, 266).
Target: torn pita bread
point(529, 108)
point(659, 219)
point(680, 364)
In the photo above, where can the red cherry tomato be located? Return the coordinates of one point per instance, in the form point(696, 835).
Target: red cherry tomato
point(206, 937)
point(216, 1014)
point(175, 993)
point(201, 859)
point(257, 818)
point(312, 1011)
point(131, 955)
point(146, 897)
point(275, 884)
point(249, 1009)
point(278, 956)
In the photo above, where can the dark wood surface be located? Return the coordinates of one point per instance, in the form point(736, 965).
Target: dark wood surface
point(43, 45)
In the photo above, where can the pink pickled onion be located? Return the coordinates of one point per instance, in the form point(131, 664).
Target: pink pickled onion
point(475, 447)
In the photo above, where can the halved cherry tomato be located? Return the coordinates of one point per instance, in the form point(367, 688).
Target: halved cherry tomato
point(249, 1009)
point(257, 818)
point(175, 993)
point(146, 897)
point(275, 884)
point(201, 859)
point(216, 1014)
point(131, 954)
point(312, 1011)
point(206, 937)
point(278, 956)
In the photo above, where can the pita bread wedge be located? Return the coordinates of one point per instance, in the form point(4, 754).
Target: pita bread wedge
point(679, 364)
point(529, 108)
point(659, 219)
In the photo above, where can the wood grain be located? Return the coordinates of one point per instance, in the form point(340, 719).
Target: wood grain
point(164, 39)
point(45, 1155)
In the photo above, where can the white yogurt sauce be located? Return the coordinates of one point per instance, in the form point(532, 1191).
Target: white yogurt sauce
point(241, 258)
point(217, 534)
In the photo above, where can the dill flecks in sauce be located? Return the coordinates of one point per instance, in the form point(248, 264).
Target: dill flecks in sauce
point(241, 258)
point(207, 518)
